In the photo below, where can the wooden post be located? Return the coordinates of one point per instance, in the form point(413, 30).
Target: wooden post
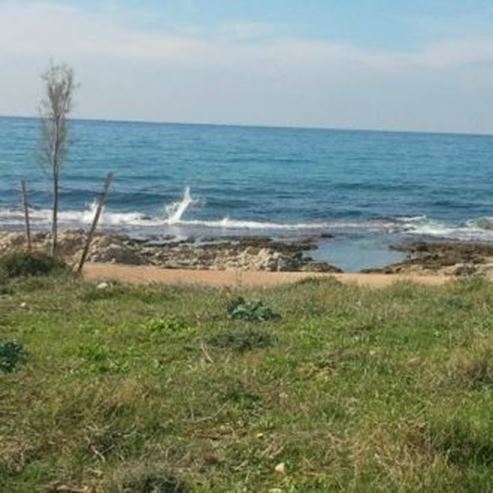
point(102, 201)
point(25, 204)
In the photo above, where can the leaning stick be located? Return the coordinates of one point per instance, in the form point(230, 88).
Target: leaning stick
point(99, 210)
point(25, 205)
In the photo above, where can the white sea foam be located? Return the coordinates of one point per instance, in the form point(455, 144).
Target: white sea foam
point(174, 214)
point(176, 210)
point(474, 229)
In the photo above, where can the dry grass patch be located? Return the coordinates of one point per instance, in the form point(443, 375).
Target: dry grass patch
point(473, 367)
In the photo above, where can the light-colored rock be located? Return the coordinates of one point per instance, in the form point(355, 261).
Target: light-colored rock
point(235, 255)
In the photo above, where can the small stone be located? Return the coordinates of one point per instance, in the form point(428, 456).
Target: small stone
point(280, 468)
point(23, 305)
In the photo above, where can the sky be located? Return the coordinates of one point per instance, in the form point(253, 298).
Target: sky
point(421, 65)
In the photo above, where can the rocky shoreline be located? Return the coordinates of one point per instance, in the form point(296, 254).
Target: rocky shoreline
point(243, 253)
point(452, 258)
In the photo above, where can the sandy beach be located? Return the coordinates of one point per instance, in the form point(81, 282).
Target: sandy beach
point(248, 279)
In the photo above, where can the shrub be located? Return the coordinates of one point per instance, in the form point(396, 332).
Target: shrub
point(251, 311)
point(242, 340)
point(11, 354)
point(29, 264)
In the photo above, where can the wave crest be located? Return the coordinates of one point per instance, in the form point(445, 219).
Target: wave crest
point(173, 216)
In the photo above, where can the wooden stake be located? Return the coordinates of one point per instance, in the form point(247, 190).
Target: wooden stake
point(25, 204)
point(102, 201)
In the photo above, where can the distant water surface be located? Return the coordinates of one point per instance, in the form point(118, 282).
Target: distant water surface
point(369, 189)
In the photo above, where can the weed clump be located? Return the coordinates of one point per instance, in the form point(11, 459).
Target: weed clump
point(242, 340)
point(330, 281)
point(11, 354)
point(100, 359)
point(251, 311)
point(24, 264)
point(165, 325)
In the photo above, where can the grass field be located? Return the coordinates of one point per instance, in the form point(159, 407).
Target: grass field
point(156, 390)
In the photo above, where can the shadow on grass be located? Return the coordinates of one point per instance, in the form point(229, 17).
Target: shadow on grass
point(155, 483)
point(242, 340)
point(461, 446)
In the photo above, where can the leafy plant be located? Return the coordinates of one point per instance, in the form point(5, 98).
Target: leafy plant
point(11, 354)
point(251, 311)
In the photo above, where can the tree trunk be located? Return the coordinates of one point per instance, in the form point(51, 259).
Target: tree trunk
point(54, 225)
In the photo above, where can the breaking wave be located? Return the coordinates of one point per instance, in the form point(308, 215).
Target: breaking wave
point(474, 229)
point(174, 216)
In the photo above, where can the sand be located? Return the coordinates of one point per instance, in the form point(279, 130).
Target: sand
point(221, 279)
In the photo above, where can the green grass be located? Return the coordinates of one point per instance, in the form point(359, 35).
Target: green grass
point(158, 390)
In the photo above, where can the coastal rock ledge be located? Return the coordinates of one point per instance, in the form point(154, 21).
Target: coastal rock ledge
point(452, 258)
point(244, 253)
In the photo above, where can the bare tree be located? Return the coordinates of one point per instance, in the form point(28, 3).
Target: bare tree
point(55, 107)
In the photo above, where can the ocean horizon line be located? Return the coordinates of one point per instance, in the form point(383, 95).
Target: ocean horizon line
point(262, 126)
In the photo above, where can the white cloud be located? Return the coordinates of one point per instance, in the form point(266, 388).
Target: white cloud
point(243, 73)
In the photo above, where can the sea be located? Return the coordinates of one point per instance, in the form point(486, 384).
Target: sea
point(358, 192)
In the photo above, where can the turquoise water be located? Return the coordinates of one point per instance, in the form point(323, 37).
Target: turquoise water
point(369, 189)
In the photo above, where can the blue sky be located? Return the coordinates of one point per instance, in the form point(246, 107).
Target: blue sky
point(402, 23)
point(420, 65)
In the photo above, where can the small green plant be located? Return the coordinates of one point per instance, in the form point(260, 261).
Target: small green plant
point(242, 340)
point(101, 359)
point(11, 354)
point(30, 264)
point(165, 325)
point(251, 311)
